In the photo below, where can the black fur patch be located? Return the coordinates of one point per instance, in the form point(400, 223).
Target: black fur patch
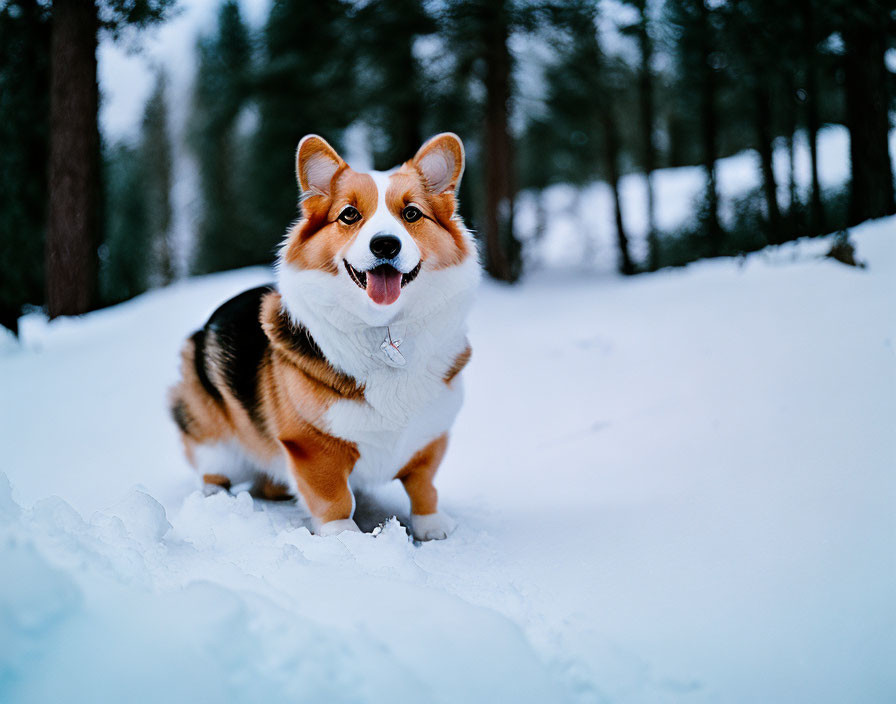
point(243, 345)
point(199, 363)
point(181, 416)
point(297, 338)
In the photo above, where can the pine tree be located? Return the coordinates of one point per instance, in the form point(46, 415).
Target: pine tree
point(641, 30)
point(305, 84)
point(24, 135)
point(753, 33)
point(221, 93)
point(479, 32)
point(864, 28)
point(584, 88)
point(809, 56)
point(74, 161)
point(137, 251)
point(156, 158)
point(694, 24)
point(392, 90)
point(124, 265)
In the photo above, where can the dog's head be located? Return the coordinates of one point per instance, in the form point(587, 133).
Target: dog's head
point(381, 246)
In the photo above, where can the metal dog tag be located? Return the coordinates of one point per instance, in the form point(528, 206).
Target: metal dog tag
point(391, 354)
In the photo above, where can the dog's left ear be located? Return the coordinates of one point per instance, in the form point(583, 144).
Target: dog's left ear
point(316, 164)
point(441, 163)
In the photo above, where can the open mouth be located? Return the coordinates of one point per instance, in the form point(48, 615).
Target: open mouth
point(383, 283)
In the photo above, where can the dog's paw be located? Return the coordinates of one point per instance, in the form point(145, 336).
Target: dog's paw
point(432, 526)
point(212, 489)
point(336, 527)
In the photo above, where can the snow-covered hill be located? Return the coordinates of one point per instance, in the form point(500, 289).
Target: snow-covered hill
point(676, 487)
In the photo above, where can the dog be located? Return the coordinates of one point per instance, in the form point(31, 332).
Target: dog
point(345, 374)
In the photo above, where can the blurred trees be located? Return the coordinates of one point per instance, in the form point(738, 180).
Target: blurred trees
point(699, 61)
point(220, 95)
point(124, 271)
point(392, 78)
point(24, 129)
point(641, 29)
point(156, 155)
point(73, 228)
point(304, 83)
point(757, 36)
point(866, 28)
point(479, 32)
point(137, 249)
point(74, 175)
point(557, 91)
point(584, 90)
point(809, 53)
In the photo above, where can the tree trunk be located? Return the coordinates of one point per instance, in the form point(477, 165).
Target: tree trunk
point(709, 130)
point(765, 147)
point(871, 191)
point(612, 148)
point(793, 208)
point(74, 175)
point(817, 223)
point(502, 248)
point(645, 98)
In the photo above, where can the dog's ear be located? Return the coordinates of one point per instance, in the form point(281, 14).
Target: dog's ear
point(316, 164)
point(441, 163)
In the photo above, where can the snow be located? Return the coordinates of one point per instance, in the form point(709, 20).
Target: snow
point(674, 487)
point(582, 229)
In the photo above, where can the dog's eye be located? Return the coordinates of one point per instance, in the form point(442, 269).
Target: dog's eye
point(349, 215)
point(411, 213)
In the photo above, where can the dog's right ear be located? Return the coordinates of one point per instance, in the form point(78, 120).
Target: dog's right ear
point(316, 165)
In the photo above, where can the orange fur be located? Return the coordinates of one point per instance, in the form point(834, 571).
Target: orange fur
point(462, 359)
point(429, 232)
point(314, 240)
point(216, 480)
point(417, 476)
point(321, 464)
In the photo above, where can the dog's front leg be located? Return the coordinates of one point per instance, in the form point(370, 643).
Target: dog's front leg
point(321, 465)
point(427, 522)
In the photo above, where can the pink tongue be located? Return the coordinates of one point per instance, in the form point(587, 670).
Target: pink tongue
point(384, 284)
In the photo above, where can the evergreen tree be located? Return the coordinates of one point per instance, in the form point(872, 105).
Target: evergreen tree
point(864, 29)
point(641, 30)
point(74, 160)
point(124, 265)
point(584, 89)
point(757, 32)
point(392, 89)
point(809, 59)
point(479, 32)
point(155, 157)
point(221, 93)
point(695, 35)
point(137, 251)
point(24, 132)
point(305, 84)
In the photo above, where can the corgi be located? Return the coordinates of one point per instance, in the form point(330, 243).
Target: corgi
point(346, 373)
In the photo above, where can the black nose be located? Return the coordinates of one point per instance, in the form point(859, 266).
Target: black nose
point(385, 246)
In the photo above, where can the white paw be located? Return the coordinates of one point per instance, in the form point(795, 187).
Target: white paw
point(336, 527)
point(432, 526)
point(212, 489)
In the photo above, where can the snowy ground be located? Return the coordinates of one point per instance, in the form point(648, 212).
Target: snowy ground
point(678, 487)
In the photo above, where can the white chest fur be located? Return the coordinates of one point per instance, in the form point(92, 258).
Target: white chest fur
point(404, 407)
point(388, 432)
